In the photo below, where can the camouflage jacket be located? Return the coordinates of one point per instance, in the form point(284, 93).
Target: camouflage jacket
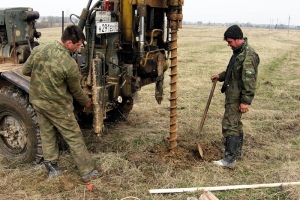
point(242, 81)
point(54, 78)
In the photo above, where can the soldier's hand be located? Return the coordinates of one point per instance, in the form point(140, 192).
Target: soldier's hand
point(89, 104)
point(244, 108)
point(215, 76)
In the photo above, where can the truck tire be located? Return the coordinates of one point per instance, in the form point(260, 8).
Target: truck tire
point(19, 131)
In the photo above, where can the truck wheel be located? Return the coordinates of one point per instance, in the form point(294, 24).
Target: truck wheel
point(19, 132)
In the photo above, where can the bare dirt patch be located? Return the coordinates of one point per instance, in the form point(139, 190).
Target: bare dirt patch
point(181, 157)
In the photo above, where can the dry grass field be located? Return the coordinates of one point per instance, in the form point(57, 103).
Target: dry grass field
point(133, 153)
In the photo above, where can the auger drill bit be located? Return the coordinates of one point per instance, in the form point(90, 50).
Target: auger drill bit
point(174, 22)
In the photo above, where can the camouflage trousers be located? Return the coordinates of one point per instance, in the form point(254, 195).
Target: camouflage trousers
point(231, 123)
point(51, 121)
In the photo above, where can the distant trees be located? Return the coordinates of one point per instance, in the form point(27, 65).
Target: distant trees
point(53, 21)
point(248, 24)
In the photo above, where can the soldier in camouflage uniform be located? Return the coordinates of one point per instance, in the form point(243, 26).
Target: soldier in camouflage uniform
point(239, 87)
point(53, 85)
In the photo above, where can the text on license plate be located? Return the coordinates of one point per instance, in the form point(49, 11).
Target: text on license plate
point(108, 27)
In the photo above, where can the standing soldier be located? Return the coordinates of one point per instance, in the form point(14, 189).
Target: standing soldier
point(239, 87)
point(53, 85)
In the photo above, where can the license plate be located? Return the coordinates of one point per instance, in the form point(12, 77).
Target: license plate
point(107, 27)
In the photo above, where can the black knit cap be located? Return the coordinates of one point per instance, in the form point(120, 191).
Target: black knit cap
point(233, 32)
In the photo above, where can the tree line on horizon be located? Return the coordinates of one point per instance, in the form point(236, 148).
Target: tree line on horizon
point(56, 21)
point(248, 24)
point(53, 21)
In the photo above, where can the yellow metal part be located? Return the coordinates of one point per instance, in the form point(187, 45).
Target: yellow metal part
point(175, 2)
point(126, 19)
point(152, 3)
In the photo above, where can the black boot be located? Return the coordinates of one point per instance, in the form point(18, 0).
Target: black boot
point(239, 153)
point(94, 174)
point(53, 169)
point(231, 152)
point(240, 145)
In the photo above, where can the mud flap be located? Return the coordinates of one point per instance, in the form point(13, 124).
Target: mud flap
point(17, 78)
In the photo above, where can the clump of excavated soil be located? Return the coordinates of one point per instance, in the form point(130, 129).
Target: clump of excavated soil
point(182, 156)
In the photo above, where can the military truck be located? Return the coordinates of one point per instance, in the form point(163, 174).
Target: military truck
point(129, 44)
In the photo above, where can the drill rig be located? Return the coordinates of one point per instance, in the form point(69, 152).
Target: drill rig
point(129, 44)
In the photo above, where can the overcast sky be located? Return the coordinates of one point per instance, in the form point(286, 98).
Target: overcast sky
point(254, 11)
